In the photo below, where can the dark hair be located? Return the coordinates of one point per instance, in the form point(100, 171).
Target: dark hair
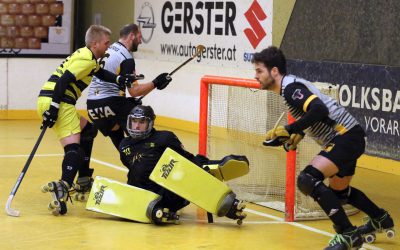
point(127, 29)
point(271, 57)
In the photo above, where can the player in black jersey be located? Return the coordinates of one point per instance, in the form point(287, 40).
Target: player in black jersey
point(342, 141)
point(56, 104)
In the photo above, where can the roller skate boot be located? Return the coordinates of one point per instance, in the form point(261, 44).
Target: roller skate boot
point(82, 188)
point(236, 211)
point(59, 191)
point(381, 224)
point(349, 239)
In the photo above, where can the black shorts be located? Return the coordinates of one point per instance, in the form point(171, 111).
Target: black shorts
point(344, 150)
point(106, 113)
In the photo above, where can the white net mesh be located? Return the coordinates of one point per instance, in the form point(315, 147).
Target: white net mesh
point(238, 119)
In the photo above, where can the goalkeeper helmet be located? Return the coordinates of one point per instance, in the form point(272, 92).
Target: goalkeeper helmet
point(140, 122)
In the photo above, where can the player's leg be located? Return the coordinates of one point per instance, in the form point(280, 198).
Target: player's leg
point(170, 204)
point(129, 202)
point(84, 181)
point(67, 129)
point(378, 219)
point(310, 182)
point(184, 178)
point(89, 132)
point(340, 156)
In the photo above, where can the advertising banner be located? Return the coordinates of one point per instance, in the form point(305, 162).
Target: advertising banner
point(370, 92)
point(231, 31)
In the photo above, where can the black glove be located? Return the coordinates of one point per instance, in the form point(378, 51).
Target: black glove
point(134, 100)
point(50, 116)
point(162, 81)
point(126, 80)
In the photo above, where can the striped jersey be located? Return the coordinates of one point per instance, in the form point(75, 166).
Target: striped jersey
point(83, 65)
point(117, 60)
point(298, 94)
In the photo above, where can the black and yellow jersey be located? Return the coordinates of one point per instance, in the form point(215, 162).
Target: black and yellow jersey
point(299, 93)
point(83, 65)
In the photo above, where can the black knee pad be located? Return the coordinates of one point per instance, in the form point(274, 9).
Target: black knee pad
point(309, 179)
point(343, 195)
point(89, 132)
point(74, 150)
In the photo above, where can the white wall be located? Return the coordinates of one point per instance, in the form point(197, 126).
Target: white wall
point(22, 78)
point(3, 84)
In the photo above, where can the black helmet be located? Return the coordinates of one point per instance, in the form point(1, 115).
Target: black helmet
point(140, 112)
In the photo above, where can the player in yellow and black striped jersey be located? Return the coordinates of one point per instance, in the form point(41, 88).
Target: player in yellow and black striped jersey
point(342, 140)
point(56, 104)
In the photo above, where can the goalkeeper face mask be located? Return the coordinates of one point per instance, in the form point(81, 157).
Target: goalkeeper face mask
point(140, 122)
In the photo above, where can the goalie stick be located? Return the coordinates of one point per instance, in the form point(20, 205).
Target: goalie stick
point(9, 210)
point(277, 141)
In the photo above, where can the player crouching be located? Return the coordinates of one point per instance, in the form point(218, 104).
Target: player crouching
point(163, 177)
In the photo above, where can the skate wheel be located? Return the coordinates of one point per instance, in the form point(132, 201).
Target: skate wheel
point(176, 220)
point(390, 233)
point(79, 197)
point(54, 204)
point(159, 214)
point(369, 238)
point(45, 188)
point(51, 186)
point(239, 222)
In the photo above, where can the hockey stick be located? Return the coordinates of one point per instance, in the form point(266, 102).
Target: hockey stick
point(277, 141)
point(199, 49)
point(9, 210)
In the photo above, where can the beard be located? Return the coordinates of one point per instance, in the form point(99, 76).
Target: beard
point(134, 47)
point(268, 83)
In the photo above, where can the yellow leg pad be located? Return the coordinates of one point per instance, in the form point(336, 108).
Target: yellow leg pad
point(119, 199)
point(231, 167)
point(179, 175)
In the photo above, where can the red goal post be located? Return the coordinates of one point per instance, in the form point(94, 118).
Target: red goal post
point(234, 118)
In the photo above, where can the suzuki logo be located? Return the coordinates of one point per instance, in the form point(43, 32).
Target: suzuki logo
point(146, 22)
point(254, 15)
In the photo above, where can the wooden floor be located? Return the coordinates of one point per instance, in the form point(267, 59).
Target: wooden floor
point(36, 228)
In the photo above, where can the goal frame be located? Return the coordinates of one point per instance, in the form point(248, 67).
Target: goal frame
point(203, 133)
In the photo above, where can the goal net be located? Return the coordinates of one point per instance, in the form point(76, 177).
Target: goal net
point(234, 118)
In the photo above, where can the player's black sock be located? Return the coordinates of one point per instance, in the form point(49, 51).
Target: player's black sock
point(117, 136)
point(329, 202)
point(73, 158)
point(359, 200)
point(88, 134)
